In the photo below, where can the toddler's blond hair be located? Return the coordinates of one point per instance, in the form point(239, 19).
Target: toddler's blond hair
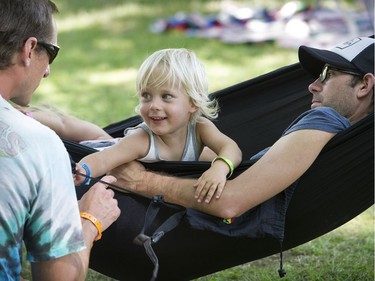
point(179, 67)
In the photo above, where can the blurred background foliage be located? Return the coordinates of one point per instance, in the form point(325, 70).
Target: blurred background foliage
point(103, 43)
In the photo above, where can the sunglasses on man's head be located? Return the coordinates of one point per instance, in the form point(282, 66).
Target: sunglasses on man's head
point(327, 67)
point(51, 49)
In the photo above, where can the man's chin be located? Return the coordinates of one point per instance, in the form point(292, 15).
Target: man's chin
point(315, 105)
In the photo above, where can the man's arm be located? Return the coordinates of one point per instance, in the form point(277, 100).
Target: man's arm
point(284, 163)
point(99, 202)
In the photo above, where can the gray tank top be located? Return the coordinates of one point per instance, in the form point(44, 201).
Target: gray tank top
point(191, 151)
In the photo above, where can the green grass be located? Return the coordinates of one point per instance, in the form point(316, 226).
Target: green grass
point(346, 253)
point(103, 42)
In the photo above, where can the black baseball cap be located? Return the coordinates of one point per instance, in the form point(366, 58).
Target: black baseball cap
point(356, 54)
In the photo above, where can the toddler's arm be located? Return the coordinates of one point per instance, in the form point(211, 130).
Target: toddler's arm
point(212, 181)
point(129, 148)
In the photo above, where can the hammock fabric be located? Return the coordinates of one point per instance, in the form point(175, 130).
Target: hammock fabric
point(337, 187)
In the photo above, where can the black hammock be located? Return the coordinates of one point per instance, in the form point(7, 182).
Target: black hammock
point(337, 187)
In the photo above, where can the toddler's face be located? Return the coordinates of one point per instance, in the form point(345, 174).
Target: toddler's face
point(165, 108)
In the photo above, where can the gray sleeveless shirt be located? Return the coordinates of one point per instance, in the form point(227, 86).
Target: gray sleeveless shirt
point(191, 150)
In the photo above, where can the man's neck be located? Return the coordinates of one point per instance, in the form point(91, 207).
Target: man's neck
point(5, 84)
point(357, 117)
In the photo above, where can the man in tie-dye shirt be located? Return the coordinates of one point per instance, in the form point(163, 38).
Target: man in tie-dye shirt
point(38, 204)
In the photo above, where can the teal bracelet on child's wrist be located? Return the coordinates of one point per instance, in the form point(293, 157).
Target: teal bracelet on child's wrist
point(228, 162)
point(88, 173)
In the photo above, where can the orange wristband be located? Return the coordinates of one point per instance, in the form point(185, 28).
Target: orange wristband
point(95, 221)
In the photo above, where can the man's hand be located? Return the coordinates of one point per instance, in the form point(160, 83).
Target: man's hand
point(99, 202)
point(130, 176)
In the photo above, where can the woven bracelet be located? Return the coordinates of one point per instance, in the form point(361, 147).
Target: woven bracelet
point(95, 221)
point(88, 174)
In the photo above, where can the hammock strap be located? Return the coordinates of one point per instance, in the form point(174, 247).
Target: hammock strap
point(281, 270)
point(147, 240)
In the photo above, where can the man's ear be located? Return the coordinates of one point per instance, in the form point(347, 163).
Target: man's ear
point(27, 50)
point(367, 84)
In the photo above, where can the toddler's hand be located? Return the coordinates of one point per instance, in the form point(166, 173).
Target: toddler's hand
point(211, 183)
point(77, 177)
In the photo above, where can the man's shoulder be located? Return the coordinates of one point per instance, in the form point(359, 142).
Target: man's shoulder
point(320, 118)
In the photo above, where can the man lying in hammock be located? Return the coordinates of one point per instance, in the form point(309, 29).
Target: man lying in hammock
point(342, 94)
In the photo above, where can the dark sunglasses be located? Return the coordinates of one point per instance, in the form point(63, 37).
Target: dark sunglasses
point(326, 68)
point(51, 49)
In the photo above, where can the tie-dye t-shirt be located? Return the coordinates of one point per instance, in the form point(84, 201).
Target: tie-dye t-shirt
point(38, 202)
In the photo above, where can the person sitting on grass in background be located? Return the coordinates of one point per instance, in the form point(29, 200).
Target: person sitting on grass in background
point(172, 86)
point(65, 126)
